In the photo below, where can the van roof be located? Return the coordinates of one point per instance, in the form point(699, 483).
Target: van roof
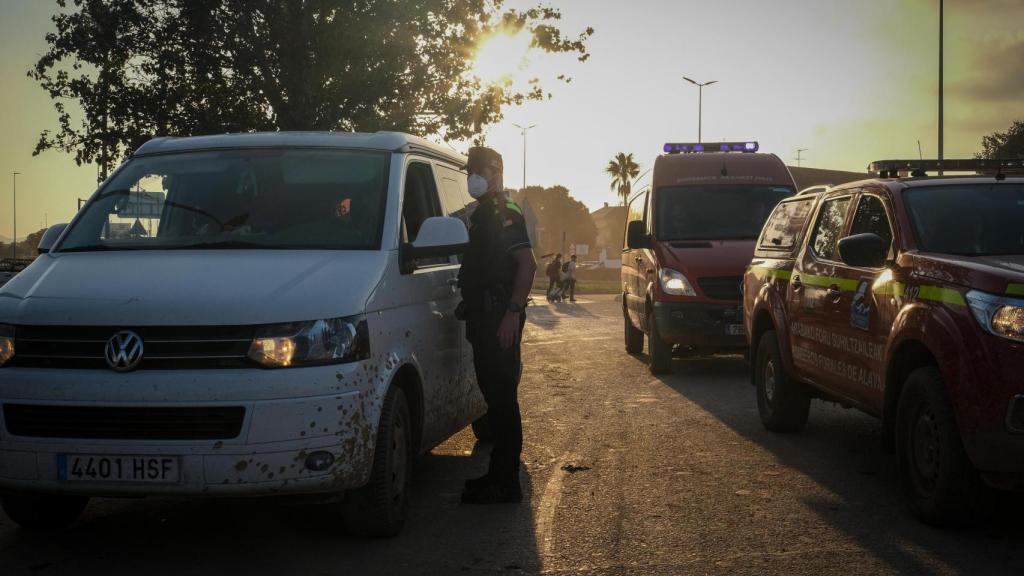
point(385, 141)
point(719, 168)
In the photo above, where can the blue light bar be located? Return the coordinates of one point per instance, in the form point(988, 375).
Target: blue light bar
point(697, 147)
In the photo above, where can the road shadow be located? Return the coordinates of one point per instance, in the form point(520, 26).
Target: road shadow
point(267, 536)
point(842, 451)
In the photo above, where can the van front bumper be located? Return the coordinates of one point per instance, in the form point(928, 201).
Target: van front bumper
point(288, 415)
point(701, 325)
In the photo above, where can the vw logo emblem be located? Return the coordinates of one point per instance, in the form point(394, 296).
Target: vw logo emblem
point(124, 351)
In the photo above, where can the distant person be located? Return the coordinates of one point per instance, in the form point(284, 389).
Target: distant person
point(553, 271)
point(571, 280)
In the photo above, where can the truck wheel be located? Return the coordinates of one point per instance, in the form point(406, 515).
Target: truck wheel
point(941, 485)
point(634, 335)
point(379, 509)
point(44, 512)
point(482, 429)
point(782, 403)
point(660, 351)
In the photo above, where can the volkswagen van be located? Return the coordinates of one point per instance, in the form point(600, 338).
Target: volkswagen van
point(247, 314)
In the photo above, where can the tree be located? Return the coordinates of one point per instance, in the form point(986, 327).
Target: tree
point(1009, 144)
point(557, 213)
point(139, 68)
point(622, 169)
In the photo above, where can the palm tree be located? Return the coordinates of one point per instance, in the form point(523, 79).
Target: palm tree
point(622, 169)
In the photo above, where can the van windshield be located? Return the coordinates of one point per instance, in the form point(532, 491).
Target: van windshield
point(968, 220)
point(238, 199)
point(715, 212)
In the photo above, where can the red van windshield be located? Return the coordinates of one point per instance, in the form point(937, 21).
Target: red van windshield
point(715, 212)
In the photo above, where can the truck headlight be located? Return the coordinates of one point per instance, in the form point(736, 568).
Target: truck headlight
point(1001, 316)
point(312, 343)
point(675, 283)
point(6, 343)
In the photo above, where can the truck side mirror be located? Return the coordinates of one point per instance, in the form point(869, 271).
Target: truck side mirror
point(867, 250)
point(50, 237)
point(636, 235)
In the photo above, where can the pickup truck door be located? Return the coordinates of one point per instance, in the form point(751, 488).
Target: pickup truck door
point(815, 299)
point(866, 303)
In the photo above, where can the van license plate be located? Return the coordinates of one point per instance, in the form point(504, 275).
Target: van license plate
point(734, 329)
point(109, 468)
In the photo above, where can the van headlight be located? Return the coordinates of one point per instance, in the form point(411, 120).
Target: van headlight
point(675, 283)
point(6, 343)
point(1000, 316)
point(312, 343)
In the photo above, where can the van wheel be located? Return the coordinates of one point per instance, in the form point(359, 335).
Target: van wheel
point(44, 512)
point(940, 483)
point(482, 429)
point(379, 509)
point(782, 403)
point(634, 335)
point(660, 351)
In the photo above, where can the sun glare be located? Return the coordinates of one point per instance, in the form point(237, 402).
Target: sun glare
point(501, 56)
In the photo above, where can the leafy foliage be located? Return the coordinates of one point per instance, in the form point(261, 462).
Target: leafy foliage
point(1009, 144)
point(140, 68)
point(557, 212)
point(622, 169)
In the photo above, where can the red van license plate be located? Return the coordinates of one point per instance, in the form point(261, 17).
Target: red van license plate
point(110, 468)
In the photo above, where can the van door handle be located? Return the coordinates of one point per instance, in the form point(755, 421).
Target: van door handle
point(834, 293)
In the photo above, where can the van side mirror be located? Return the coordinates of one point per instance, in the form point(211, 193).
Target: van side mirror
point(867, 250)
point(438, 236)
point(636, 235)
point(50, 237)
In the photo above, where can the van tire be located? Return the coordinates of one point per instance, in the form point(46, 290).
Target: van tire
point(940, 483)
point(659, 350)
point(380, 508)
point(44, 512)
point(634, 335)
point(782, 403)
point(482, 429)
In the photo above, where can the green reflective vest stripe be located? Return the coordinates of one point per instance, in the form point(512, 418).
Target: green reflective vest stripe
point(1015, 289)
point(514, 207)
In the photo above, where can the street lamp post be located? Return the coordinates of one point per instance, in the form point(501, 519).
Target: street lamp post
point(523, 130)
point(940, 77)
point(14, 215)
point(799, 155)
point(700, 102)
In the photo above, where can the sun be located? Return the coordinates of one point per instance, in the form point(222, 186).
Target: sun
point(501, 56)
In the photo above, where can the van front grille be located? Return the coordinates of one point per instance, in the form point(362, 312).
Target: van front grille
point(164, 348)
point(124, 423)
point(722, 288)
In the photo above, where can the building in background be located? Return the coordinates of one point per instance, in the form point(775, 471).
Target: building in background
point(807, 177)
point(611, 225)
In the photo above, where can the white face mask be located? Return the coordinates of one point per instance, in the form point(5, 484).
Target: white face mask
point(477, 186)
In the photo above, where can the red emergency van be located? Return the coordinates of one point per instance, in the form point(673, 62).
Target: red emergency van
point(690, 234)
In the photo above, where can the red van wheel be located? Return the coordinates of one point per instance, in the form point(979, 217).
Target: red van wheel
point(634, 335)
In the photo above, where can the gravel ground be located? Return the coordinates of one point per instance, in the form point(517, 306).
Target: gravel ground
point(625, 473)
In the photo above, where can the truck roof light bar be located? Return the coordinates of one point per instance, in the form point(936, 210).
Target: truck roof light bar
point(920, 168)
point(701, 147)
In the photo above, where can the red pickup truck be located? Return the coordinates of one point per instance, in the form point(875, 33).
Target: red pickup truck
point(902, 297)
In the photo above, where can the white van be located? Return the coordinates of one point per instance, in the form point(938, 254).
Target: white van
point(241, 315)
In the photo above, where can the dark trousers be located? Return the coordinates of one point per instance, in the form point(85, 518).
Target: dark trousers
point(572, 288)
point(552, 280)
point(497, 373)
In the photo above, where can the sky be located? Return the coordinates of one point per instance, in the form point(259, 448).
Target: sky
point(851, 82)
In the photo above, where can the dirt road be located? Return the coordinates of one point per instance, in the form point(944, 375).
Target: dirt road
point(625, 473)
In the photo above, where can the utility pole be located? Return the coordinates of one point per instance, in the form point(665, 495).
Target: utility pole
point(941, 24)
point(14, 214)
point(799, 151)
point(523, 130)
point(700, 103)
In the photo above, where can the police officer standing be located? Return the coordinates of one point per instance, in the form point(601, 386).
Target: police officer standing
point(496, 278)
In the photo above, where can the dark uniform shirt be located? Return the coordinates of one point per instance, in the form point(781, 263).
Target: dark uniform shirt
point(497, 229)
